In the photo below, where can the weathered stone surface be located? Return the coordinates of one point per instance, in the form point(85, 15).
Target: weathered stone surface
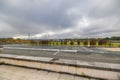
point(93, 69)
point(18, 73)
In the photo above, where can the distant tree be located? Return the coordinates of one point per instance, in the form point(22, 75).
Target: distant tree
point(9, 38)
point(93, 42)
point(107, 38)
point(102, 42)
point(56, 43)
point(32, 42)
point(115, 38)
point(65, 42)
point(85, 42)
point(71, 43)
point(44, 42)
point(78, 42)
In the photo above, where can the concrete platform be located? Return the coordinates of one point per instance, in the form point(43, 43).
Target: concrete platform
point(92, 63)
point(94, 70)
point(87, 55)
point(18, 73)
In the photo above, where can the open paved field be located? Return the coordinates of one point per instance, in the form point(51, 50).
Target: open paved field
point(79, 53)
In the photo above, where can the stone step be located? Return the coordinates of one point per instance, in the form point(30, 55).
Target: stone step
point(74, 67)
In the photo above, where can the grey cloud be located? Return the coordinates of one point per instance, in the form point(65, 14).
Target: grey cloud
point(42, 16)
point(100, 10)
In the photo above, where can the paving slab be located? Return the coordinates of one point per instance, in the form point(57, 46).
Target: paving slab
point(74, 53)
point(19, 73)
point(64, 61)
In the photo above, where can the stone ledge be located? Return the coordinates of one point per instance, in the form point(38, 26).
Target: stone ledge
point(65, 62)
point(73, 67)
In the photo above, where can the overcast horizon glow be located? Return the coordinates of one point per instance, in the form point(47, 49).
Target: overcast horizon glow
point(57, 19)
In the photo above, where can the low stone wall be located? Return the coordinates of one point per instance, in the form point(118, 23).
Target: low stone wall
point(63, 66)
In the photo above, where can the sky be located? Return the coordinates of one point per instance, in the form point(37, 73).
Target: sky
point(57, 19)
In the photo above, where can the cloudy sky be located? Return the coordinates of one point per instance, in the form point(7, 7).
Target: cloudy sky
point(59, 18)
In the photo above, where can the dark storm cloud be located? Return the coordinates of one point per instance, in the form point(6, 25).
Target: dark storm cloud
point(59, 18)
